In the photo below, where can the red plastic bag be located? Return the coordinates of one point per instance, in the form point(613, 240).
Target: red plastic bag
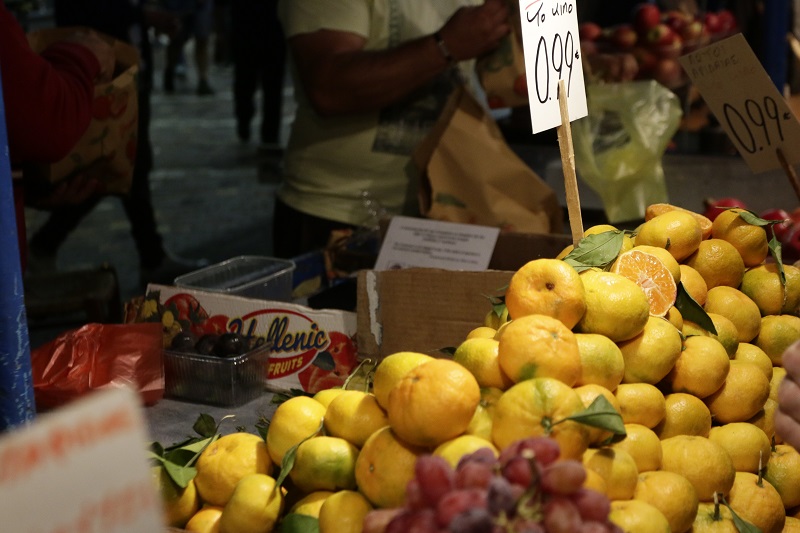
point(98, 356)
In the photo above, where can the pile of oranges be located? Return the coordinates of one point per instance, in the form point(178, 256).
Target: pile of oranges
point(695, 390)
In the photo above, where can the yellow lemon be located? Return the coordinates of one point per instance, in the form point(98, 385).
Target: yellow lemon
point(694, 284)
point(453, 450)
point(748, 239)
point(324, 463)
point(601, 361)
point(548, 287)
point(718, 262)
point(310, 504)
point(227, 460)
point(384, 467)
point(643, 445)
point(480, 357)
point(757, 502)
point(295, 419)
point(748, 445)
point(737, 307)
point(354, 416)
point(741, 396)
point(538, 346)
point(777, 333)
point(179, 504)
point(670, 493)
point(750, 353)
point(651, 355)
point(615, 306)
point(677, 231)
point(391, 369)
point(434, 402)
point(206, 520)
point(783, 473)
point(703, 462)
point(637, 516)
point(344, 512)
point(686, 414)
point(641, 403)
point(763, 285)
point(616, 467)
point(254, 507)
point(701, 368)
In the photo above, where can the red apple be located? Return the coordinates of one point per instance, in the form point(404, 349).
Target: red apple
point(714, 207)
point(623, 36)
point(668, 72)
point(589, 31)
point(660, 35)
point(645, 17)
point(692, 31)
point(791, 245)
point(646, 60)
point(780, 231)
point(727, 22)
point(676, 20)
point(712, 23)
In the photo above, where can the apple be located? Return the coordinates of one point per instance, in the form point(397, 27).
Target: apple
point(780, 231)
point(672, 49)
point(589, 31)
point(714, 207)
point(790, 246)
point(660, 35)
point(645, 17)
point(676, 20)
point(668, 72)
point(712, 23)
point(646, 60)
point(692, 31)
point(623, 36)
point(727, 22)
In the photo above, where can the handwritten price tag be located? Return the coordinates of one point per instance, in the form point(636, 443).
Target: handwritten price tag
point(552, 53)
point(746, 102)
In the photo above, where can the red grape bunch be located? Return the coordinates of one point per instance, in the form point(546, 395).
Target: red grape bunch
point(524, 490)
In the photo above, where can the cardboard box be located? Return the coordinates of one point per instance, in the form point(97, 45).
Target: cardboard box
point(309, 349)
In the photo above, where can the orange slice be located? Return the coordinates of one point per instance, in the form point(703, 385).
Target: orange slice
point(647, 271)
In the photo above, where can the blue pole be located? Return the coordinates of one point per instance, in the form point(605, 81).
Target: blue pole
point(775, 47)
point(16, 381)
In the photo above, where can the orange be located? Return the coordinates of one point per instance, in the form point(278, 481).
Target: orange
point(641, 403)
point(783, 473)
point(480, 357)
point(650, 273)
point(778, 373)
point(354, 416)
point(588, 394)
point(434, 402)
point(627, 242)
point(694, 284)
point(706, 464)
point(749, 240)
point(718, 262)
point(226, 461)
point(727, 334)
point(179, 504)
point(670, 493)
point(326, 396)
point(391, 369)
point(672, 265)
point(777, 333)
point(763, 285)
point(453, 450)
point(496, 317)
point(324, 463)
point(764, 419)
point(748, 445)
point(651, 355)
point(736, 306)
point(616, 467)
point(678, 232)
point(548, 287)
point(750, 353)
point(484, 332)
point(653, 210)
point(791, 525)
point(255, 506)
point(675, 318)
point(295, 419)
point(344, 512)
point(741, 396)
point(595, 482)
point(384, 467)
point(532, 407)
point(206, 520)
point(536, 346)
point(643, 445)
point(637, 516)
point(311, 503)
point(686, 414)
point(601, 361)
point(713, 518)
point(701, 368)
point(757, 502)
point(481, 423)
point(615, 306)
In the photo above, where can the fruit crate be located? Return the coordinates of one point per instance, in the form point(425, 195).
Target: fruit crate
point(249, 276)
point(220, 381)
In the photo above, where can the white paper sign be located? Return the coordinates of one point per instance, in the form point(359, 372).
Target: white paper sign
point(80, 469)
point(422, 242)
point(552, 53)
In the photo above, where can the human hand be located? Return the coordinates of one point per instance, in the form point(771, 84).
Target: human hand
point(101, 49)
point(474, 31)
point(787, 416)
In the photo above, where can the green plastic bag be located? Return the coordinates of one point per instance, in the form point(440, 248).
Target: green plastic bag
point(620, 144)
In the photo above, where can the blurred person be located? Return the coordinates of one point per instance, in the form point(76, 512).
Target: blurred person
point(259, 61)
point(197, 21)
point(129, 23)
point(787, 416)
point(370, 79)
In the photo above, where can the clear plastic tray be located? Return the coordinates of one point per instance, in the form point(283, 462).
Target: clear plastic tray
point(250, 276)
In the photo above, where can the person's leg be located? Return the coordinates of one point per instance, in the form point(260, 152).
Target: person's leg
point(245, 66)
point(47, 240)
point(203, 25)
point(273, 64)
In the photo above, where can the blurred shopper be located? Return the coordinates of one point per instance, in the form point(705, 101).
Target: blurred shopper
point(127, 22)
point(370, 79)
point(197, 22)
point(259, 61)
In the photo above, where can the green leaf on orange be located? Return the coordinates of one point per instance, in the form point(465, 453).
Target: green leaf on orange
point(596, 251)
point(693, 311)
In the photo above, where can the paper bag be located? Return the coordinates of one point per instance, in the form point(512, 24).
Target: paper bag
point(107, 150)
point(470, 175)
point(502, 72)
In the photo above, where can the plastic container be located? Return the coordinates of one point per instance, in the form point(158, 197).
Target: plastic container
point(206, 379)
point(262, 278)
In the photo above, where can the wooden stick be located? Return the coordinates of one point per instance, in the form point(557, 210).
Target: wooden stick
point(568, 167)
point(790, 173)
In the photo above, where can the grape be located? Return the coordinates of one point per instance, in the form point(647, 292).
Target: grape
point(481, 455)
point(528, 526)
point(377, 520)
point(518, 470)
point(592, 505)
point(472, 521)
point(435, 477)
point(545, 449)
point(563, 477)
point(473, 475)
point(501, 497)
point(457, 502)
point(414, 497)
point(594, 527)
point(414, 521)
point(561, 515)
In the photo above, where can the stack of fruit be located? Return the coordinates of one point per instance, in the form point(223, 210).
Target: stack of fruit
point(656, 39)
point(637, 369)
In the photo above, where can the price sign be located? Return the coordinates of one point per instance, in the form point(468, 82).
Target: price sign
point(746, 102)
point(552, 53)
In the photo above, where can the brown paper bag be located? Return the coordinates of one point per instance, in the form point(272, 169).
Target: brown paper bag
point(502, 72)
point(107, 150)
point(470, 175)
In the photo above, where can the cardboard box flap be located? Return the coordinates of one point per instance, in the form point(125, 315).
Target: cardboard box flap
point(422, 309)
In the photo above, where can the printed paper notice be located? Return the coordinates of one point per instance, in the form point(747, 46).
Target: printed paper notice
point(552, 51)
point(421, 242)
point(746, 102)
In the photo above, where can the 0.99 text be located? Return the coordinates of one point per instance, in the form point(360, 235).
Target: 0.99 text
point(757, 125)
point(556, 58)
